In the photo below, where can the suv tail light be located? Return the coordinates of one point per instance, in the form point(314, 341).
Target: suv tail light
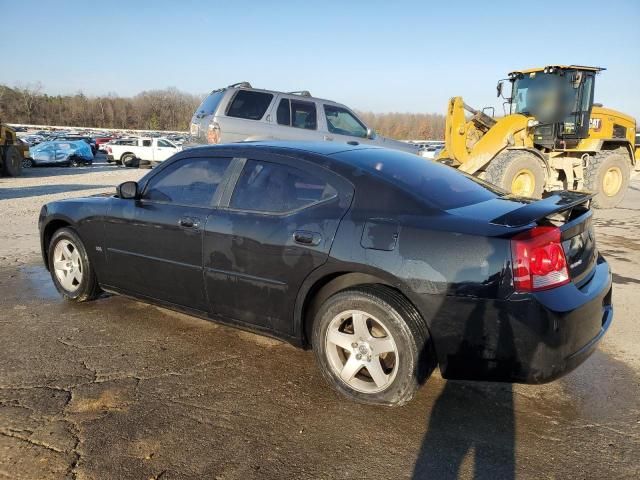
point(109, 150)
point(538, 260)
point(213, 133)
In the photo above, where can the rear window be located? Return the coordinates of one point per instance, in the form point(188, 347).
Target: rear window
point(249, 104)
point(210, 104)
point(441, 186)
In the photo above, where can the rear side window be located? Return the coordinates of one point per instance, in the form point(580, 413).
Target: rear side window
point(146, 143)
point(249, 104)
point(193, 181)
point(275, 188)
point(441, 186)
point(303, 115)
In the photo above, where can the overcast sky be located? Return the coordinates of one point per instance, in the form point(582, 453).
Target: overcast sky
point(372, 55)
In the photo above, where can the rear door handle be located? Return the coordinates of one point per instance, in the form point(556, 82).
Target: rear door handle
point(189, 222)
point(307, 238)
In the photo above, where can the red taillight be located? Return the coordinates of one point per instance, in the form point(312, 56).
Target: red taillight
point(109, 150)
point(538, 260)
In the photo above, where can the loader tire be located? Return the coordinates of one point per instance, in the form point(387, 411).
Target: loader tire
point(12, 162)
point(518, 172)
point(607, 175)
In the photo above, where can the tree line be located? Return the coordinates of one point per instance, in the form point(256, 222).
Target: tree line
point(166, 109)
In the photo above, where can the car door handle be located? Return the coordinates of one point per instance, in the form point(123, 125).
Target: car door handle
point(189, 222)
point(307, 238)
point(328, 138)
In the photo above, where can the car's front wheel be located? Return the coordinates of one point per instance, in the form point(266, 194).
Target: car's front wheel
point(70, 268)
point(372, 345)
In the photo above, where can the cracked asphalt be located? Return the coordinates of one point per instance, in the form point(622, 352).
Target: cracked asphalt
point(116, 388)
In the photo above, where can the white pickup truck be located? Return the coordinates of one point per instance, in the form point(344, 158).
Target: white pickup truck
point(136, 152)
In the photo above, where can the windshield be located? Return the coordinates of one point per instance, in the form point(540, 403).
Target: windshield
point(547, 96)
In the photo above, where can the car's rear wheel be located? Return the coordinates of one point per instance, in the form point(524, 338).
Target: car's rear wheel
point(70, 268)
point(372, 345)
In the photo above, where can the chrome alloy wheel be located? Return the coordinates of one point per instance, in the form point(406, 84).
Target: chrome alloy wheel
point(361, 351)
point(67, 265)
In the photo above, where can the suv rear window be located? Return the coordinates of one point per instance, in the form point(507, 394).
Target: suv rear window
point(210, 104)
point(439, 185)
point(249, 104)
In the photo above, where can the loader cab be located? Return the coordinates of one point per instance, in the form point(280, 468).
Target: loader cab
point(559, 99)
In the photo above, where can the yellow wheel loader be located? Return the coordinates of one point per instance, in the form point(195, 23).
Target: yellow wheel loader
point(553, 138)
point(13, 153)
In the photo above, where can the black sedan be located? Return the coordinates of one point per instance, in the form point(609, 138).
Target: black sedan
point(386, 264)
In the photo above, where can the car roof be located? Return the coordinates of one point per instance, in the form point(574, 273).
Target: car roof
point(319, 148)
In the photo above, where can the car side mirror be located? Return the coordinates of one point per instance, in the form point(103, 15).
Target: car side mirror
point(128, 190)
point(371, 133)
point(499, 88)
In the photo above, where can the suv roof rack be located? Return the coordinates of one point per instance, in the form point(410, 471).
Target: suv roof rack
point(241, 85)
point(302, 93)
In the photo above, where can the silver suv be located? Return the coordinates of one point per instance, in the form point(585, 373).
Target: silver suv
point(241, 113)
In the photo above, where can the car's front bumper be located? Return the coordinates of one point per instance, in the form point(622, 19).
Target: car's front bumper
point(532, 338)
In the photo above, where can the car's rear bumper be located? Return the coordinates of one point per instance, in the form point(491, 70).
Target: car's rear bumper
point(533, 338)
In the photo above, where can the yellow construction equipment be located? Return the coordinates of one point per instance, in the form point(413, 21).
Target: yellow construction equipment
point(13, 152)
point(553, 138)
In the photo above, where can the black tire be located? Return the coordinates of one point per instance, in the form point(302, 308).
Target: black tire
point(27, 162)
point(597, 167)
point(12, 162)
point(129, 160)
point(508, 164)
point(415, 359)
point(73, 161)
point(87, 288)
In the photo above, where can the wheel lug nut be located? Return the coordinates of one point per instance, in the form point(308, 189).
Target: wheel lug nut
point(358, 356)
point(354, 344)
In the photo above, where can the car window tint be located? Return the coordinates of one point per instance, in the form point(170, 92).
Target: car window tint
point(342, 122)
point(284, 113)
point(440, 185)
point(303, 115)
point(270, 187)
point(189, 182)
point(249, 104)
point(146, 143)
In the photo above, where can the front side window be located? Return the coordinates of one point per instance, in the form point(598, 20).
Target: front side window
point(188, 182)
point(164, 143)
point(275, 188)
point(249, 104)
point(342, 122)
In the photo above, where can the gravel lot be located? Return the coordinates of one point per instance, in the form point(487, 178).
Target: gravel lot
point(120, 389)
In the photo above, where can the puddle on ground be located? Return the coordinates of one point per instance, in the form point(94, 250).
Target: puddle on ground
point(27, 283)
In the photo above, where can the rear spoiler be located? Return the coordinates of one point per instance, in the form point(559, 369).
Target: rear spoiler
point(554, 203)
